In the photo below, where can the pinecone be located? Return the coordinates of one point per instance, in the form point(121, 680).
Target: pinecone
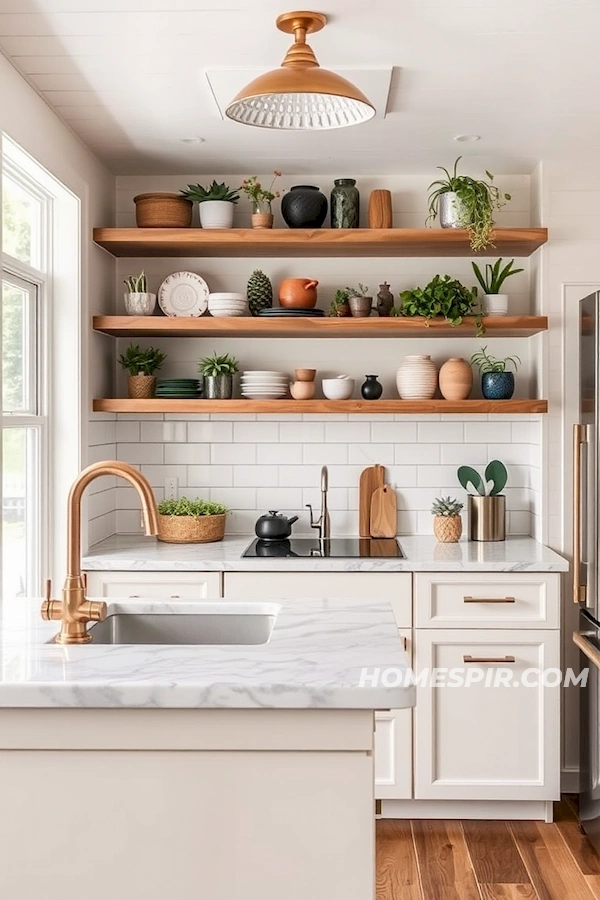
point(259, 291)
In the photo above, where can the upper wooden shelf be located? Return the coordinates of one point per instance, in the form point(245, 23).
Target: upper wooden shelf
point(304, 242)
point(375, 327)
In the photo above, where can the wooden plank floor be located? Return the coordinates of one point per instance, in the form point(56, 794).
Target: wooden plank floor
point(472, 860)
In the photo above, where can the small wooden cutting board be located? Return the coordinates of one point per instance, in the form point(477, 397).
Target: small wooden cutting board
point(370, 479)
point(384, 512)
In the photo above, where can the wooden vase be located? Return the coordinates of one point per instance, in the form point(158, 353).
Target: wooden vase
point(456, 379)
point(380, 209)
point(447, 529)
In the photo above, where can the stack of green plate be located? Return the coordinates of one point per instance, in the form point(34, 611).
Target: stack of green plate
point(178, 388)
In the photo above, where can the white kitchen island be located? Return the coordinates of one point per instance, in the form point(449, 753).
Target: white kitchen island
point(217, 772)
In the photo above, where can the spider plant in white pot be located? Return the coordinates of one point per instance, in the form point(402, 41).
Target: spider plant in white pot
point(495, 303)
point(215, 203)
point(138, 301)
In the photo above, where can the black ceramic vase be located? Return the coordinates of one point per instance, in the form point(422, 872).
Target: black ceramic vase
point(371, 389)
point(304, 206)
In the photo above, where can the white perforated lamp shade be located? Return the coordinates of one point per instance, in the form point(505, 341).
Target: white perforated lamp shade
point(300, 95)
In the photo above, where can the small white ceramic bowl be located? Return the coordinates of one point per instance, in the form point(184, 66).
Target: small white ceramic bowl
point(338, 388)
point(225, 295)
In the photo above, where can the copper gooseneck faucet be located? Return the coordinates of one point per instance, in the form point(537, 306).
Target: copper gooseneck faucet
point(74, 610)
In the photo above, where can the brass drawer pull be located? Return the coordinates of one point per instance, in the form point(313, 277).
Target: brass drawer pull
point(488, 659)
point(488, 599)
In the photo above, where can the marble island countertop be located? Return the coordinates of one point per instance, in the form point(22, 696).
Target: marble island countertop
point(422, 554)
point(313, 660)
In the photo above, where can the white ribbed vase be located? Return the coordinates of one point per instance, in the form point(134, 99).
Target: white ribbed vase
point(416, 378)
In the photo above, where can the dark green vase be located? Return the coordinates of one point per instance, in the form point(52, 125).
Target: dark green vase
point(345, 204)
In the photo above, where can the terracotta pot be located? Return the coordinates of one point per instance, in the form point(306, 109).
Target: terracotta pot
point(456, 379)
point(305, 374)
point(262, 220)
point(447, 529)
point(416, 378)
point(141, 387)
point(297, 293)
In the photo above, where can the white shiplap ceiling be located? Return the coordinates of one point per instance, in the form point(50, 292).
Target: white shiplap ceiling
point(136, 78)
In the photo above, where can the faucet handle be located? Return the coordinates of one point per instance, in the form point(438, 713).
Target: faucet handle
point(51, 609)
point(313, 524)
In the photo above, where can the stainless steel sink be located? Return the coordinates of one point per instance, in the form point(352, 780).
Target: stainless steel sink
point(213, 623)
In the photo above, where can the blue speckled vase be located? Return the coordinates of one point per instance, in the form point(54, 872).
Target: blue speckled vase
point(498, 385)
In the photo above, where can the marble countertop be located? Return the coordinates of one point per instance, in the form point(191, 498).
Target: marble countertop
point(423, 554)
point(313, 660)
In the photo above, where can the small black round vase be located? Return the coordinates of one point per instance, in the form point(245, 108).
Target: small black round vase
point(371, 389)
point(304, 206)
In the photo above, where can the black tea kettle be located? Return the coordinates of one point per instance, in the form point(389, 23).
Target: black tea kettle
point(274, 526)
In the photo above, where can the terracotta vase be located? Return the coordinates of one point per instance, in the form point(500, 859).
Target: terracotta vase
point(456, 379)
point(416, 378)
point(298, 293)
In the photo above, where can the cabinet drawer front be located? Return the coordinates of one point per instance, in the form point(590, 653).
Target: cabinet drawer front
point(158, 585)
point(393, 746)
point(393, 586)
point(494, 742)
point(494, 600)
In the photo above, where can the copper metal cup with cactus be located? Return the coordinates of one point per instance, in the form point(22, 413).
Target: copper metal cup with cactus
point(447, 523)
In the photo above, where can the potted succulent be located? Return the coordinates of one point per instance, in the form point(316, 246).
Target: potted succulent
point(218, 372)
point(443, 296)
point(447, 523)
point(496, 382)
point(141, 365)
point(215, 203)
point(464, 202)
point(161, 209)
point(260, 197)
point(186, 521)
point(359, 302)
point(339, 306)
point(138, 302)
point(487, 505)
point(496, 304)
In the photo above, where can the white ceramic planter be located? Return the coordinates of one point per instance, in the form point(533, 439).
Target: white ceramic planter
point(416, 378)
point(216, 214)
point(139, 304)
point(495, 304)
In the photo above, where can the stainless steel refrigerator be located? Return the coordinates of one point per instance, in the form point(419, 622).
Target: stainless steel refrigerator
point(586, 559)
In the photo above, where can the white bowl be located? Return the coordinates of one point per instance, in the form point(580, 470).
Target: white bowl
point(225, 295)
point(338, 388)
point(217, 312)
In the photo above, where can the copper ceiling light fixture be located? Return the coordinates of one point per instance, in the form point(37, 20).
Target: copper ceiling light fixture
point(300, 95)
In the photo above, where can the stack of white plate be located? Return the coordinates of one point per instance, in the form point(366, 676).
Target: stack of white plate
point(226, 303)
point(259, 385)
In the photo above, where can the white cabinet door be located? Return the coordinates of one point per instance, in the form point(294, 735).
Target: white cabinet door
point(158, 585)
point(393, 746)
point(483, 742)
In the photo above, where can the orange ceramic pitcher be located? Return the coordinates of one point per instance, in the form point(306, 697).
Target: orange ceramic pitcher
point(295, 293)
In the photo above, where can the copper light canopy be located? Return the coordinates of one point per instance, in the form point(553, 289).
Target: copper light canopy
point(300, 95)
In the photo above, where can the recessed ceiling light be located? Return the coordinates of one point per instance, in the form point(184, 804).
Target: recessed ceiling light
point(192, 140)
point(466, 138)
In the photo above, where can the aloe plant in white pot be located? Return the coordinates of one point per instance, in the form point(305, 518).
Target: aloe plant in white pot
point(215, 203)
point(495, 303)
point(138, 301)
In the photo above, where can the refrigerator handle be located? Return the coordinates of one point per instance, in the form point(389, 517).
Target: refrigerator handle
point(587, 648)
point(579, 589)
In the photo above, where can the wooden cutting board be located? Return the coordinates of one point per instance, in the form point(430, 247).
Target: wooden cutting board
point(370, 479)
point(384, 512)
point(380, 209)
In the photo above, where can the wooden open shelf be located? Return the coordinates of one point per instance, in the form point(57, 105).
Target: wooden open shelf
point(245, 327)
point(322, 406)
point(305, 242)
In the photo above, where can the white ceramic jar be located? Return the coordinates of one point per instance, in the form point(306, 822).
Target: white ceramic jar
point(216, 214)
point(495, 304)
point(139, 304)
point(416, 378)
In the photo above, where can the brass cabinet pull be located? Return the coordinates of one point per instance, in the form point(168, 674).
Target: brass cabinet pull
point(587, 648)
point(488, 659)
point(488, 599)
point(578, 587)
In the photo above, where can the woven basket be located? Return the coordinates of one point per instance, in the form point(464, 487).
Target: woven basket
point(191, 529)
point(447, 529)
point(141, 387)
point(161, 210)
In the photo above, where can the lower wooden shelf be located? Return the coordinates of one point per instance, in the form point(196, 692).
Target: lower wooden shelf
point(491, 407)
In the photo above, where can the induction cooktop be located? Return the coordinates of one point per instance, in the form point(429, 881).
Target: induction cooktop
point(339, 548)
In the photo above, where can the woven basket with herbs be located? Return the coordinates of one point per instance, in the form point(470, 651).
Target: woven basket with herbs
point(186, 521)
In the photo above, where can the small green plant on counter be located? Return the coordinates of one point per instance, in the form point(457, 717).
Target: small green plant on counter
point(214, 191)
point(485, 362)
point(361, 291)
point(197, 507)
point(492, 483)
point(446, 506)
point(478, 200)
point(339, 304)
point(136, 284)
point(443, 296)
point(218, 365)
point(142, 362)
point(494, 276)
point(256, 192)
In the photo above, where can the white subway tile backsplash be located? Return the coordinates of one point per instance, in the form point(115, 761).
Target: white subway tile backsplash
point(154, 431)
point(276, 454)
point(256, 432)
point(188, 454)
point(393, 432)
point(347, 432)
point(488, 432)
point(301, 476)
point(441, 432)
point(127, 432)
point(231, 454)
point(302, 432)
point(437, 476)
point(141, 453)
point(466, 454)
point(253, 476)
point(417, 454)
point(279, 498)
point(369, 454)
point(325, 454)
point(210, 432)
point(209, 476)
point(235, 498)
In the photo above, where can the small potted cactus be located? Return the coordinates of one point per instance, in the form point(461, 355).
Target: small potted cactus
point(447, 524)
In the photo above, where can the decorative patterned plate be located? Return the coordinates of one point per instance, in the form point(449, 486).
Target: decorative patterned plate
point(183, 294)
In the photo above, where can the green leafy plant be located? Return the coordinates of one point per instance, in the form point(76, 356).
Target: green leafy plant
point(443, 296)
point(361, 291)
point(485, 362)
point(141, 362)
point(136, 284)
point(446, 506)
point(340, 300)
point(492, 483)
point(185, 507)
point(214, 191)
point(478, 200)
point(494, 276)
point(256, 192)
point(218, 365)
